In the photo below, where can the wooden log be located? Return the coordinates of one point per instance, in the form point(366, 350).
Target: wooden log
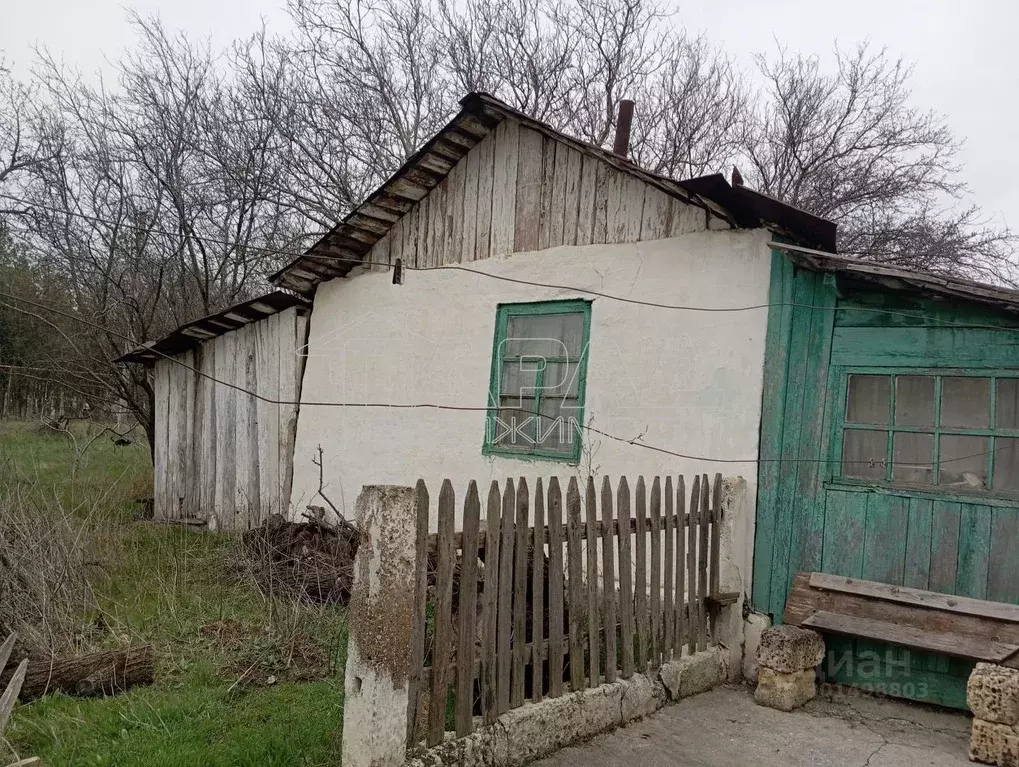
point(555, 589)
point(608, 580)
point(466, 614)
point(520, 593)
point(593, 606)
point(625, 579)
point(103, 673)
point(703, 549)
point(640, 577)
point(693, 536)
point(681, 601)
point(443, 616)
point(417, 636)
point(655, 602)
point(505, 650)
point(577, 600)
point(490, 608)
point(538, 596)
point(668, 616)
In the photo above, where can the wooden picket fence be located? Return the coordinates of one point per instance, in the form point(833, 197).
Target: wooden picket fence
point(516, 605)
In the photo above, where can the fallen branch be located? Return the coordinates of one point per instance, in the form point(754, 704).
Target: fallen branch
point(104, 673)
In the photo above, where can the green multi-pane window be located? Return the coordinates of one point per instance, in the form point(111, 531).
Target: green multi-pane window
point(949, 432)
point(539, 371)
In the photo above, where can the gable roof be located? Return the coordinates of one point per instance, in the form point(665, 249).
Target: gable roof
point(192, 334)
point(339, 250)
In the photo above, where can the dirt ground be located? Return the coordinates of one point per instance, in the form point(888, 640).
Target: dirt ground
point(725, 727)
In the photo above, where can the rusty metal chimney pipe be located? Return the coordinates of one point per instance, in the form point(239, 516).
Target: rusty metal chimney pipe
point(621, 145)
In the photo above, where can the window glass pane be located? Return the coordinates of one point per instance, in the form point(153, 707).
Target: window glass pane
point(963, 461)
point(561, 379)
point(914, 401)
point(544, 335)
point(864, 454)
point(868, 400)
point(519, 378)
point(1007, 406)
point(557, 430)
point(1006, 464)
point(912, 458)
point(966, 403)
point(514, 424)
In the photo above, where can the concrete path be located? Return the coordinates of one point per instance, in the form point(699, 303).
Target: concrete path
point(724, 728)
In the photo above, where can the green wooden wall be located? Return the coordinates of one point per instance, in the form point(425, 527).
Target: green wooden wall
point(818, 327)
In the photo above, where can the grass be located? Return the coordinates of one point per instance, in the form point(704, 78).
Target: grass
point(240, 679)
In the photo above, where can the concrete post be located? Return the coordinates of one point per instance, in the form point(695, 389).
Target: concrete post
point(381, 613)
point(734, 567)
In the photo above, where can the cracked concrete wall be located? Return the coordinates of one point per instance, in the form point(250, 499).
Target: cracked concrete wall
point(381, 616)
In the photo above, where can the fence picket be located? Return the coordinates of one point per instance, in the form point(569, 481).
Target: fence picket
point(443, 616)
point(669, 618)
point(538, 596)
point(625, 575)
point(702, 566)
point(656, 572)
point(555, 588)
point(506, 596)
point(693, 536)
point(608, 579)
point(593, 606)
point(716, 544)
point(489, 673)
point(640, 577)
point(417, 635)
point(577, 601)
point(467, 613)
point(520, 593)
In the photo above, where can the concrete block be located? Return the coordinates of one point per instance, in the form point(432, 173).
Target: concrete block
point(693, 674)
point(788, 649)
point(784, 691)
point(993, 743)
point(992, 693)
point(641, 697)
point(753, 627)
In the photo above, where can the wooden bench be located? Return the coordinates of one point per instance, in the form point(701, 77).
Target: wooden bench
point(960, 627)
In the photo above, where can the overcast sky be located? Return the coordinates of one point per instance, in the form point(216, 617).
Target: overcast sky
point(964, 53)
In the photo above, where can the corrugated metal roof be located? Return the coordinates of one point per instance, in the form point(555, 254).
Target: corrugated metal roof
point(337, 252)
point(896, 277)
point(194, 333)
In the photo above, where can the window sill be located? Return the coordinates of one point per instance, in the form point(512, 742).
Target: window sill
point(990, 498)
point(494, 452)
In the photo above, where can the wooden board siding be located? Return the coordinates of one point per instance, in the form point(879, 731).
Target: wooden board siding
point(519, 190)
point(223, 455)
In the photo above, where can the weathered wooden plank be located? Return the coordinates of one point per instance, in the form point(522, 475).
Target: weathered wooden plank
point(438, 255)
point(586, 203)
point(419, 617)
point(655, 602)
point(884, 548)
point(520, 593)
point(609, 587)
point(207, 434)
point(486, 161)
point(409, 233)
point(599, 229)
point(506, 561)
point(378, 256)
point(657, 217)
point(703, 550)
point(538, 595)
point(1003, 575)
point(443, 615)
point(668, 577)
point(716, 540)
point(192, 439)
point(267, 378)
point(467, 613)
point(423, 217)
point(293, 337)
point(625, 576)
point(574, 164)
point(974, 550)
point(396, 241)
point(529, 175)
point(845, 517)
point(681, 544)
point(632, 208)
point(693, 539)
point(640, 577)
point(248, 498)
point(504, 187)
point(593, 606)
point(225, 430)
point(687, 219)
point(490, 608)
point(555, 588)
point(918, 544)
point(577, 600)
point(560, 182)
point(455, 210)
point(616, 206)
point(10, 694)
point(546, 212)
point(947, 516)
point(468, 249)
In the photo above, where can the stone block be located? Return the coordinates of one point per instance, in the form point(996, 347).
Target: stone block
point(992, 693)
point(993, 743)
point(693, 674)
point(641, 697)
point(784, 691)
point(788, 649)
point(753, 628)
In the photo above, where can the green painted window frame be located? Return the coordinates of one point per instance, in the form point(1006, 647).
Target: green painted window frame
point(503, 314)
point(839, 426)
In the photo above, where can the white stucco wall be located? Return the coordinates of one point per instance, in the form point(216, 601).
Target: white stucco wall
point(686, 381)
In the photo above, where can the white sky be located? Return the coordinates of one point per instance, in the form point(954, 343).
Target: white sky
point(964, 53)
